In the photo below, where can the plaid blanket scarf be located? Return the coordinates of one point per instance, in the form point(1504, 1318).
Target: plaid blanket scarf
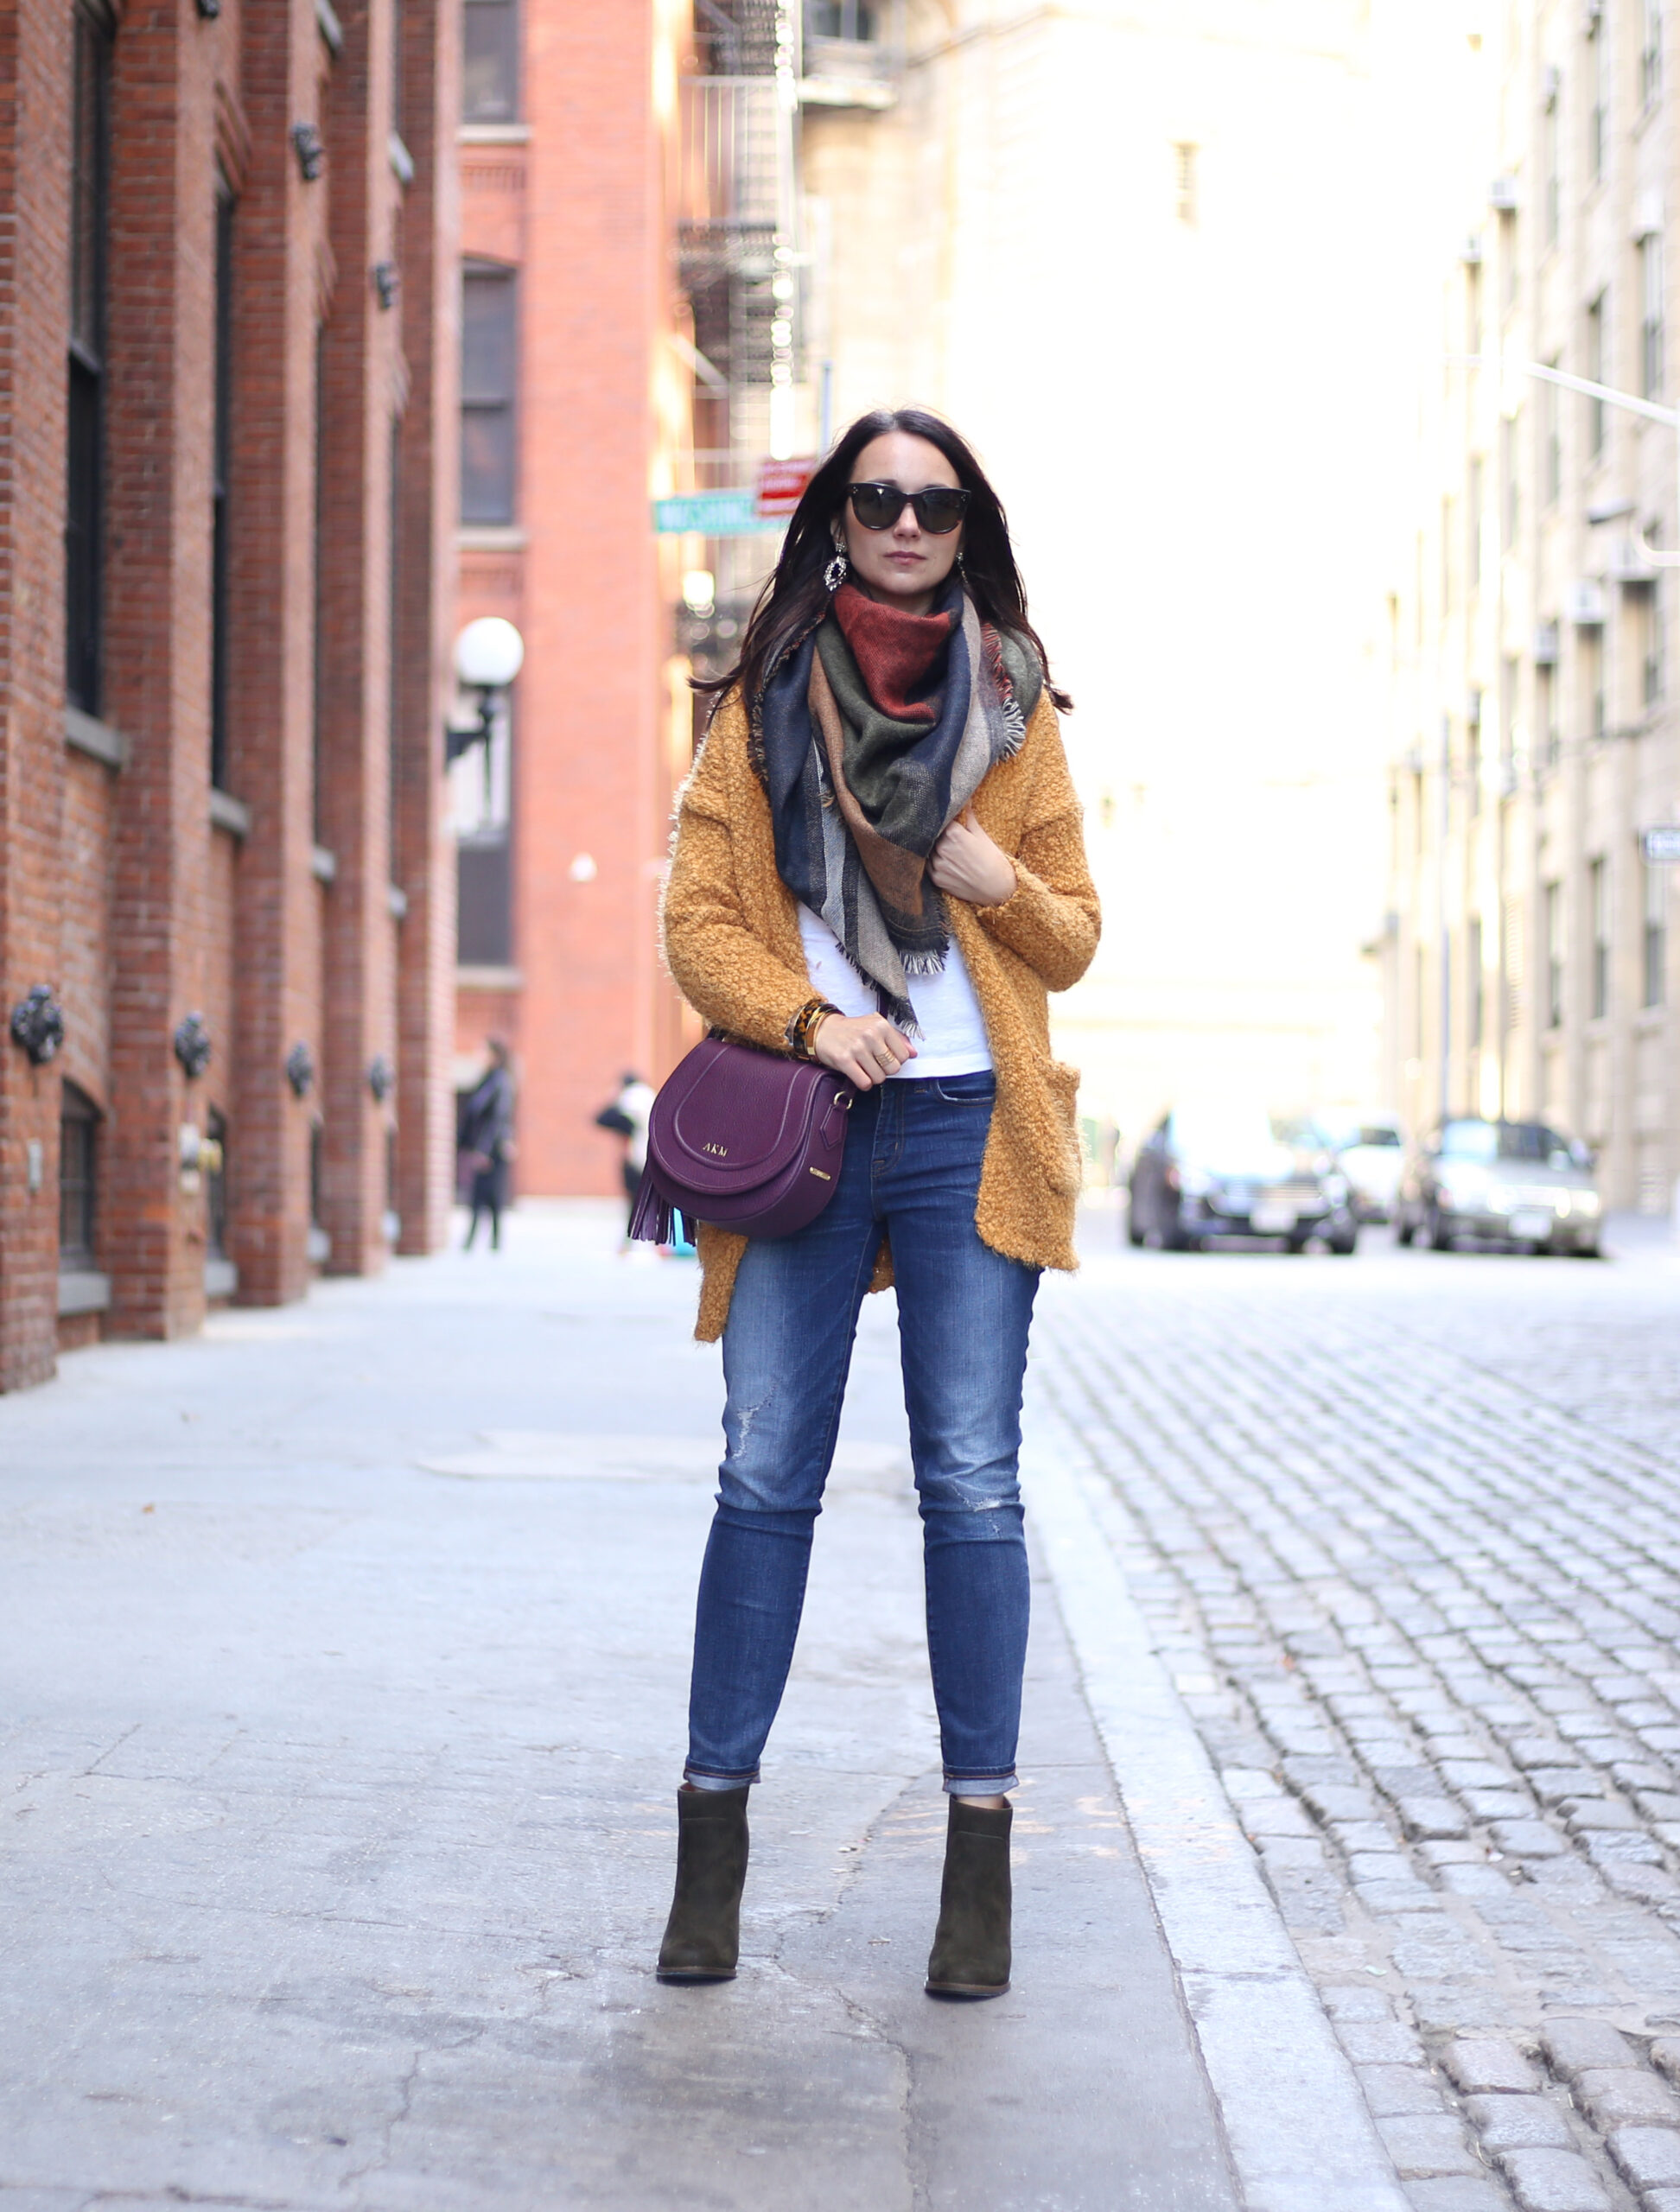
point(874, 733)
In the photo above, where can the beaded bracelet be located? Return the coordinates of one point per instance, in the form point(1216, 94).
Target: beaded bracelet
point(802, 1029)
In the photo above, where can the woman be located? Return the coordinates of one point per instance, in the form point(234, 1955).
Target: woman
point(879, 865)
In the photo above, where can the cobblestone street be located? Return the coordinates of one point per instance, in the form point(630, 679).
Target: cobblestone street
point(345, 1650)
point(1405, 1534)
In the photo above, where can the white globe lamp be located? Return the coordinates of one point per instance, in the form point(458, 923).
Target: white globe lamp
point(488, 654)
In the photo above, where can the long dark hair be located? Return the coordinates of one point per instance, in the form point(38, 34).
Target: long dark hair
point(792, 601)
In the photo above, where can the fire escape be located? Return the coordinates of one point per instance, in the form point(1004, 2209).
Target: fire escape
point(742, 261)
point(737, 239)
point(739, 265)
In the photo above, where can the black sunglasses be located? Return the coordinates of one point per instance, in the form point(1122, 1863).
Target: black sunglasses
point(939, 509)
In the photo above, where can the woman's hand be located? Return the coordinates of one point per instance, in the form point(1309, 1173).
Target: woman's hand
point(968, 864)
point(865, 1048)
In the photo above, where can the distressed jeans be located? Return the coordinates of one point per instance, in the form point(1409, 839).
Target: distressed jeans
point(912, 1168)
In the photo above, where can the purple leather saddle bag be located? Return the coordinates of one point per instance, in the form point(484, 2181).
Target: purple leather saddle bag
point(748, 1140)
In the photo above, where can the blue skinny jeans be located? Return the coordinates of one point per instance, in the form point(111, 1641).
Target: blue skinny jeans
point(912, 1167)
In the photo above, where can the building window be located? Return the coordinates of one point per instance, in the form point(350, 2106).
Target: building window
point(1552, 418)
point(318, 616)
point(1449, 555)
point(1651, 326)
point(395, 578)
point(317, 1174)
point(1508, 255)
point(220, 452)
point(480, 811)
point(1651, 617)
point(490, 66)
point(1554, 183)
point(1597, 413)
point(1472, 525)
point(1598, 876)
point(79, 1159)
point(215, 1185)
point(1595, 656)
point(1510, 446)
point(1545, 715)
point(1598, 122)
point(1473, 755)
point(89, 229)
point(842, 19)
point(1184, 183)
point(1554, 955)
point(1473, 307)
point(1511, 947)
point(1473, 981)
point(1655, 963)
point(1650, 53)
point(1510, 676)
point(488, 366)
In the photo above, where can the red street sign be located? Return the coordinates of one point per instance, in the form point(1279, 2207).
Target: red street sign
point(781, 485)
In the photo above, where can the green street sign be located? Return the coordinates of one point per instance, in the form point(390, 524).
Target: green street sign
point(712, 514)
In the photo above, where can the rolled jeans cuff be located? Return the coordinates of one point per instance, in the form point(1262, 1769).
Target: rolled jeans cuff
point(697, 1781)
point(981, 1785)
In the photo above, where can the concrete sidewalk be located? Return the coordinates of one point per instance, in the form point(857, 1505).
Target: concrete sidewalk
point(347, 1664)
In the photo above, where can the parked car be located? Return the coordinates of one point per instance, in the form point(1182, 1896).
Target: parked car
point(1520, 1184)
point(1206, 1176)
point(1372, 1157)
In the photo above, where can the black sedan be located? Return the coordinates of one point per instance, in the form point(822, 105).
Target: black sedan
point(1517, 1184)
point(1205, 1178)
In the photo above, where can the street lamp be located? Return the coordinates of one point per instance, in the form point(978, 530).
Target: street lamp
point(489, 653)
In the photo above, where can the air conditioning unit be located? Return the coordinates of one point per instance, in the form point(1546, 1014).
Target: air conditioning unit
point(1545, 645)
point(1551, 83)
point(1647, 216)
point(1583, 603)
point(1470, 252)
point(1502, 195)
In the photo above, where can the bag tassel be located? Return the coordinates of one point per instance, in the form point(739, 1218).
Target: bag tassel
point(651, 1223)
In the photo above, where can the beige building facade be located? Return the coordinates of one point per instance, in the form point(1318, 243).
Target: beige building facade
point(1531, 959)
point(1145, 256)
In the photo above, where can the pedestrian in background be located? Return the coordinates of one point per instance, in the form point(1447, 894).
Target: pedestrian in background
point(626, 1117)
point(486, 1142)
point(879, 865)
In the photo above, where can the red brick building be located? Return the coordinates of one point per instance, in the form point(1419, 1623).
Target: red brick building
point(228, 362)
point(576, 392)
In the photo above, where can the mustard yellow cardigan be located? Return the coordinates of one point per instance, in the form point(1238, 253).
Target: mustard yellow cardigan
point(732, 943)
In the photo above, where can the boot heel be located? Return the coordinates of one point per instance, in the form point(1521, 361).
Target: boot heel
point(702, 1935)
point(970, 1956)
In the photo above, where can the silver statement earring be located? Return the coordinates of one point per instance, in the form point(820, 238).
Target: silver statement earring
point(835, 575)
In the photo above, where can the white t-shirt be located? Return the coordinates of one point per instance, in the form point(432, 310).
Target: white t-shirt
point(953, 1039)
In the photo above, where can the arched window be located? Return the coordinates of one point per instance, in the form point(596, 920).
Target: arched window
point(78, 1146)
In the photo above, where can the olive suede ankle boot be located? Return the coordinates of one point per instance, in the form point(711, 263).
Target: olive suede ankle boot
point(702, 1935)
point(970, 1954)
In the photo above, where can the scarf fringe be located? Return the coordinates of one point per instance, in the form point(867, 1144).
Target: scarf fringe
point(1014, 722)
